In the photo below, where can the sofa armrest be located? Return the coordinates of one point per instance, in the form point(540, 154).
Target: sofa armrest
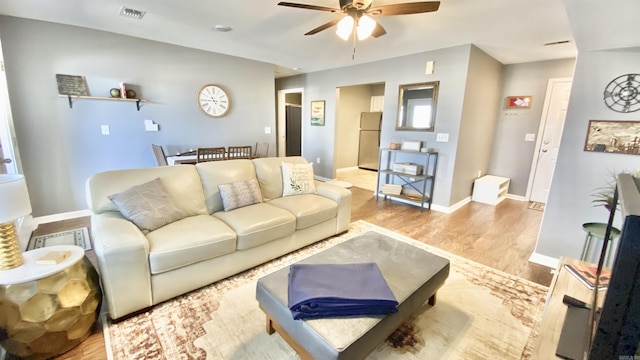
point(122, 252)
point(343, 197)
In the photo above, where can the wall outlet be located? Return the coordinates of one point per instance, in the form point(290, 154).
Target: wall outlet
point(442, 137)
point(317, 160)
point(105, 129)
point(530, 137)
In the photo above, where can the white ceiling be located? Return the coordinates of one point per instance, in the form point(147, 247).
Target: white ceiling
point(512, 31)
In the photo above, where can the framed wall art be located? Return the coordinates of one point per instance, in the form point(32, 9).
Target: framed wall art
point(518, 102)
point(317, 113)
point(621, 137)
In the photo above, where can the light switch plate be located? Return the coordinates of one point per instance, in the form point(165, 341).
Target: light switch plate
point(442, 137)
point(105, 129)
point(530, 137)
point(267, 130)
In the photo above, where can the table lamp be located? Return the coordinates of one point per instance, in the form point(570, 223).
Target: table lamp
point(14, 203)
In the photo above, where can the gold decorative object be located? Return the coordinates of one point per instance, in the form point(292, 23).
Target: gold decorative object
point(10, 255)
point(14, 198)
point(46, 317)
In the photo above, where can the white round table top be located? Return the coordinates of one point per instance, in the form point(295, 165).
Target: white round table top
point(30, 270)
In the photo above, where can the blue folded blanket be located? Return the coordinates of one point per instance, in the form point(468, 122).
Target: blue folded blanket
point(329, 290)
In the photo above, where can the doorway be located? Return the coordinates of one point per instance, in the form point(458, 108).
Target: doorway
point(357, 142)
point(550, 135)
point(289, 129)
point(293, 132)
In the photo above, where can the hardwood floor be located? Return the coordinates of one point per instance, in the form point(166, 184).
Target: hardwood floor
point(502, 237)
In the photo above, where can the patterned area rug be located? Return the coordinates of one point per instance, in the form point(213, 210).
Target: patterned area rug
point(481, 313)
point(79, 237)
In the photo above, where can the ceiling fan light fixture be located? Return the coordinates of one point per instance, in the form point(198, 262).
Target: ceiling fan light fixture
point(365, 27)
point(345, 27)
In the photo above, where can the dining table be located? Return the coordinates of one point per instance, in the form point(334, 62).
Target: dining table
point(189, 157)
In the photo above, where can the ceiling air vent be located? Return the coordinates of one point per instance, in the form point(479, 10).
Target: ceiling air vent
point(135, 14)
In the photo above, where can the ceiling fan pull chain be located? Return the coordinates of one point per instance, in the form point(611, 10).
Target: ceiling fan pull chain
point(353, 55)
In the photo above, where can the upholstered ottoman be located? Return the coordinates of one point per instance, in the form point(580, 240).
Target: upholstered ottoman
point(413, 275)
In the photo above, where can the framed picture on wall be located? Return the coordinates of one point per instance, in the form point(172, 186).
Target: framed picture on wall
point(518, 102)
point(613, 137)
point(317, 113)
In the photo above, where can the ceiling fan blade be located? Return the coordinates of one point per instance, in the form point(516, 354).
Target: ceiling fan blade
point(308, 7)
point(323, 27)
point(378, 30)
point(406, 8)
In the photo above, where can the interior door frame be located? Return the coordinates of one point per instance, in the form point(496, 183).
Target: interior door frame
point(282, 123)
point(543, 123)
point(7, 129)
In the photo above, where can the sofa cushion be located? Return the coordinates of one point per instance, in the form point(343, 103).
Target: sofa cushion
point(269, 173)
point(181, 181)
point(258, 224)
point(148, 205)
point(214, 173)
point(240, 193)
point(188, 241)
point(309, 209)
point(297, 179)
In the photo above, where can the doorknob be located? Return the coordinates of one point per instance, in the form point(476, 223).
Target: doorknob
point(544, 150)
point(7, 161)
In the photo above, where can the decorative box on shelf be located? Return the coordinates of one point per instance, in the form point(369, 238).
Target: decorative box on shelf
point(411, 145)
point(408, 168)
point(391, 189)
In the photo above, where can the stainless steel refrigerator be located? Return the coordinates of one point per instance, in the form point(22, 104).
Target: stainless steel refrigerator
point(369, 145)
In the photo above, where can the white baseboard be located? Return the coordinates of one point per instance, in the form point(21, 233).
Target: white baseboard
point(321, 178)
point(458, 205)
point(62, 216)
point(544, 260)
point(434, 207)
point(516, 197)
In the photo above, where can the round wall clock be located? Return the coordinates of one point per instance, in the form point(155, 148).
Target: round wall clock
point(623, 93)
point(213, 101)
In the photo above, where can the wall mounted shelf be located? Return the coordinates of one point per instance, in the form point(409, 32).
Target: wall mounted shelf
point(71, 97)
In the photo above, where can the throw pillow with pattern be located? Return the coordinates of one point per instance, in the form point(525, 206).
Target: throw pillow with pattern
point(240, 194)
point(148, 205)
point(297, 179)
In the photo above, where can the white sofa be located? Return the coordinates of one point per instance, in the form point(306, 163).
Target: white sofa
point(140, 270)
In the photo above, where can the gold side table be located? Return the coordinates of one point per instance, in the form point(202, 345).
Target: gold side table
point(46, 310)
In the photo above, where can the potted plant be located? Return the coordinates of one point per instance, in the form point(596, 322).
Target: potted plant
point(603, 195)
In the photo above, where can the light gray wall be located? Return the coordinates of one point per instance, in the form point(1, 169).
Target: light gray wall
point(352, 100)
point(451, 71)
point(477, 122)
point(62, 147)
point(511, 156)
point(577, 172)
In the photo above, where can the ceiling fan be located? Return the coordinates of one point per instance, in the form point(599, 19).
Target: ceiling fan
point(358, 16)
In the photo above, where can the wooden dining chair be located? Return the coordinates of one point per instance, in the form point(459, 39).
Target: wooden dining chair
point(262, 150)
point(239, 152)
point(161, 158)
point(210, 154)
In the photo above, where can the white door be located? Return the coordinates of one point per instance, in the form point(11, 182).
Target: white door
point(9, 157)
point(550, 134)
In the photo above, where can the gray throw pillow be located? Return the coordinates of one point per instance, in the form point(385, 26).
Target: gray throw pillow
point(239, 194)
point(148, 205)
